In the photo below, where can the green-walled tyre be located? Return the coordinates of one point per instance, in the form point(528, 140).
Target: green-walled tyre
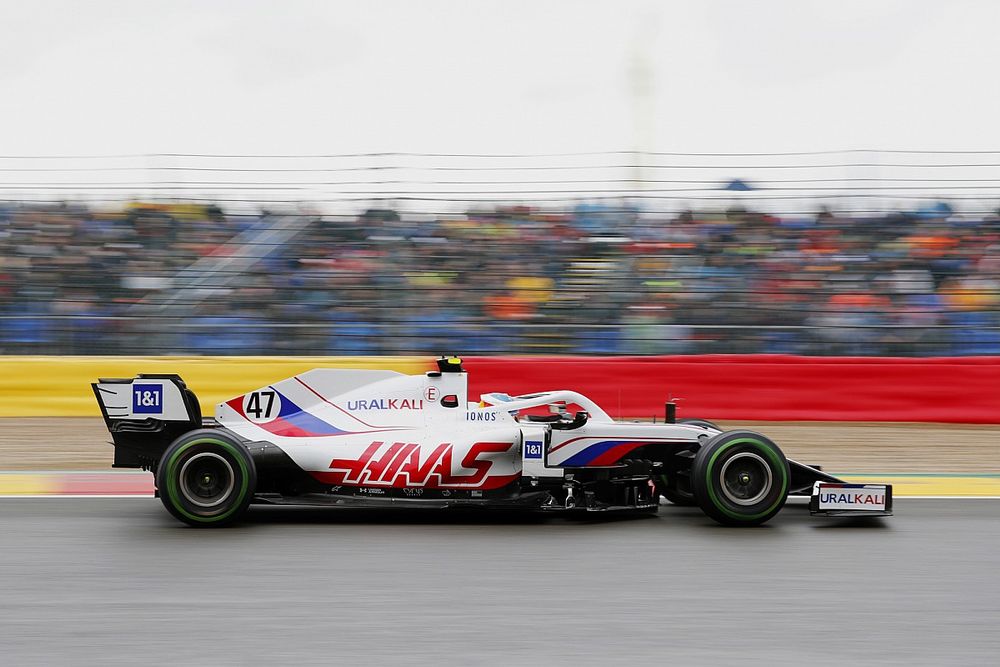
point(206, 478)
point(740, 478)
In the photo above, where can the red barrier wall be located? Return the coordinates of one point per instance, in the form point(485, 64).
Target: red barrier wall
point(761, 387)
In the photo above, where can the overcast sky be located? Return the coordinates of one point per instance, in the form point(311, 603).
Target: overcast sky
point(507, 76)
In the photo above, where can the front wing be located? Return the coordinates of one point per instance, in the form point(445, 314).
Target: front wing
point(841, 499)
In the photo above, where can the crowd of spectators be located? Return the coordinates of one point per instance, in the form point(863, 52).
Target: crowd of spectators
point(71, 276)
point(590, 279)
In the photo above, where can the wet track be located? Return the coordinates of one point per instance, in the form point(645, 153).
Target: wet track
point(108, 581)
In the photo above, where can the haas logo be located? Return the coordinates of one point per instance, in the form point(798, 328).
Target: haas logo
point(401, 465)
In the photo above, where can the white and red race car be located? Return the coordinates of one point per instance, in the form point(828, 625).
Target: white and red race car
point(380, 438)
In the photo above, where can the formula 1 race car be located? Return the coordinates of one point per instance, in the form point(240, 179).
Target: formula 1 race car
point(380, 438)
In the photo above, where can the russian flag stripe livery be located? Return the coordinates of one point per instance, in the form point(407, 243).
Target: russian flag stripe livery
point(292, 421)
point(606, 452)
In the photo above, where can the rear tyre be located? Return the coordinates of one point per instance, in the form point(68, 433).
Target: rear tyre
point(206, 478)
point(740, 478)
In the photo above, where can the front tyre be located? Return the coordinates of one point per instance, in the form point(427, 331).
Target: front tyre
point(740, 478)
point(206, 478)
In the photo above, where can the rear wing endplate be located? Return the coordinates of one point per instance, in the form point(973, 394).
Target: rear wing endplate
point(145, 414)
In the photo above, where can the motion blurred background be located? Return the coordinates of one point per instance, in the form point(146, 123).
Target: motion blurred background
point(266, 187)
point(606, 253)
point(556, 178)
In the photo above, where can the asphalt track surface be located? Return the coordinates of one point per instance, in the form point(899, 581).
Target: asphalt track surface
point(118, 582)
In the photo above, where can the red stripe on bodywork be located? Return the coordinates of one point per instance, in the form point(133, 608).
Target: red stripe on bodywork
point(402, 466)
point(614, 454)
point(328, 402)
point(645, 441)
point(489, 483)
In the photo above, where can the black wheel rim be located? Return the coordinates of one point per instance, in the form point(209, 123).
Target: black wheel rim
point(207, 479)
point(746, 478)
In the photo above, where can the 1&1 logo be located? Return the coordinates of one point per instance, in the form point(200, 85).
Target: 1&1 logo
point(147, 399)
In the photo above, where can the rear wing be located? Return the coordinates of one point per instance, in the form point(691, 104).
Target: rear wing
point(145, 414)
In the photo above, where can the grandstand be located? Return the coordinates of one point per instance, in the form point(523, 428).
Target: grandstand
point(573, 254)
